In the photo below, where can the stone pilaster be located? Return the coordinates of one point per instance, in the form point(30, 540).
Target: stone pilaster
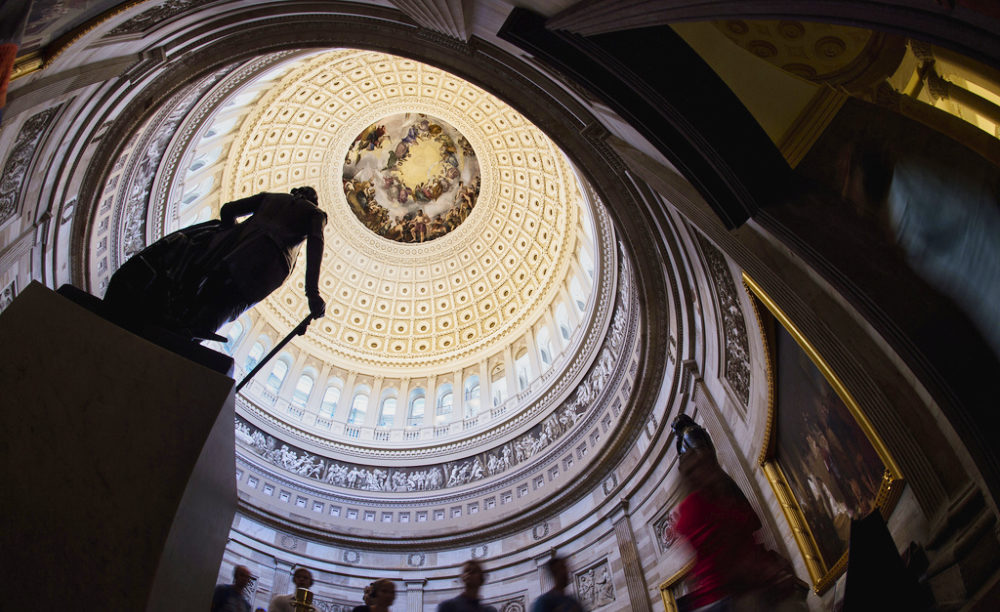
point(415, 594)
point(635, 580)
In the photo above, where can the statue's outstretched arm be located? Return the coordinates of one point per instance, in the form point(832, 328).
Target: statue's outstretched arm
point(239, 208)
point(314, 259)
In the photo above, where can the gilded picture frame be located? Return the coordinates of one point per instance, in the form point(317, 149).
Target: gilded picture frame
point(668, 586)
point(824, 460)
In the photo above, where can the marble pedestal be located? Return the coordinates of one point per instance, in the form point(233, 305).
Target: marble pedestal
point(118, 485)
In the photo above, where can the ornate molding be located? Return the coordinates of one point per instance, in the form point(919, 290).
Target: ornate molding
point(734, 327)
point(588, 400)
point(15, 170)
point(165, 10)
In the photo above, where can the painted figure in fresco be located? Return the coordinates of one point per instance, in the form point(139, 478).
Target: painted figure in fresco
point(420, 226)
point(408, 197)
point(194, 280)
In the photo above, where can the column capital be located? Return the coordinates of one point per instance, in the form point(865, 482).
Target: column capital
point(620, 511)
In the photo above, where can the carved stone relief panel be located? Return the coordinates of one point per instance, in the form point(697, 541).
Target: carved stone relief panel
point(734, 328)
point(289, 542)
point(604, 374)
point(516, 604)
point(540, 531)
point(333, 606)
point(416, 559)
point(663, 528)
point(157, 14)
point(7, 296)
point(144, 165)
point(595, 585)
point(15, 170)
point(351, 556)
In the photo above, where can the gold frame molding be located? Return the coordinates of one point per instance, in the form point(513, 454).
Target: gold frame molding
point(822, 573)
point(669, 602)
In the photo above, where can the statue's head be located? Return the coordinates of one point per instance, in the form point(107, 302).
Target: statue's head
point(690, 435)
point(306, 193)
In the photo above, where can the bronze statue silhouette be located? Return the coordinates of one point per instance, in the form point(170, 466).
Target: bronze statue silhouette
point(690, 435)
point(196, 279)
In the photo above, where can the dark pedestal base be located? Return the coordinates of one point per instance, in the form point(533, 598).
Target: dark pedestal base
point(118, 485)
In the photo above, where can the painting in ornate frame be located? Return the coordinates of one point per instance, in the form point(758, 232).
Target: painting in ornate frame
point(823, 459)
point(674, 587)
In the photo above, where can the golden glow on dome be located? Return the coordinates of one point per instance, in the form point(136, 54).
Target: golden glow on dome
point(411, 178)
point(393, 307)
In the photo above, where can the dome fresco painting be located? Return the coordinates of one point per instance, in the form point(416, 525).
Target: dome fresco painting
point(411, 177)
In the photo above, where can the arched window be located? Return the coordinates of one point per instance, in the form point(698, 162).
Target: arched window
point(544, 347)
point(444, 402)
point(562, 319)
point(577, 293)
point(278, 373)
point(499, 388)
point(471, 396)
point(253, 357)
point(330, 399)
point(387, 411)
point(359, 406)
point(522, 365)
point(415, 417)
point(233, 332)
point(302, 390)
point(195, 193)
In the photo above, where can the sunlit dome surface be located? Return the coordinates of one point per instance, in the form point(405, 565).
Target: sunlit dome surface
point(395, 306)
point(442, 335)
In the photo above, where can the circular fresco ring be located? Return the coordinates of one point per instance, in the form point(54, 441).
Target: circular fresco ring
point(411, 177)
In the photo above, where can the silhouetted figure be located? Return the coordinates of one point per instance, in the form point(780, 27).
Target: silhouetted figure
point(731, 570)
point(473, 578)
point(556, 599)
point(194, 280)
point(229, 597)
point(367, 598)
point(383, 594)
point(690, 435)
point(302, 579)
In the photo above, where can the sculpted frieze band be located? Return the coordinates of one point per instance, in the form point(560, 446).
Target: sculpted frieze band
point(464, 471)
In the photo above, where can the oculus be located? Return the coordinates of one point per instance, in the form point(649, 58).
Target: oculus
point(411, 177)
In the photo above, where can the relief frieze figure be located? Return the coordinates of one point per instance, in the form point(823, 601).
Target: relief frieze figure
point(734, 328)
point(15, 170)
point(159, 13)
point(595, 586)
point(144, 169)
point(464, 471)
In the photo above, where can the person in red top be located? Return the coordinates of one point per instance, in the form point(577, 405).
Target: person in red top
point(731, 570)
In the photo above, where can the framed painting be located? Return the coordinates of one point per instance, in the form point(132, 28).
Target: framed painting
point(821, 455)
point(674, 588)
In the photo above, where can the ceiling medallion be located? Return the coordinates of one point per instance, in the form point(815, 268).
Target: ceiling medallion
point(411, 177)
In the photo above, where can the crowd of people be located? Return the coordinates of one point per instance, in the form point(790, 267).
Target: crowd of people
point(381, 594)
point(731, 572)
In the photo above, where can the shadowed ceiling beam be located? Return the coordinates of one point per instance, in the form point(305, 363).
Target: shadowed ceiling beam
point(967, 26)
point(447, 17)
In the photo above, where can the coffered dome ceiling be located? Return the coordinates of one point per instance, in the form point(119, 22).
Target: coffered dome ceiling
point(509, 314)
point(394, 306)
